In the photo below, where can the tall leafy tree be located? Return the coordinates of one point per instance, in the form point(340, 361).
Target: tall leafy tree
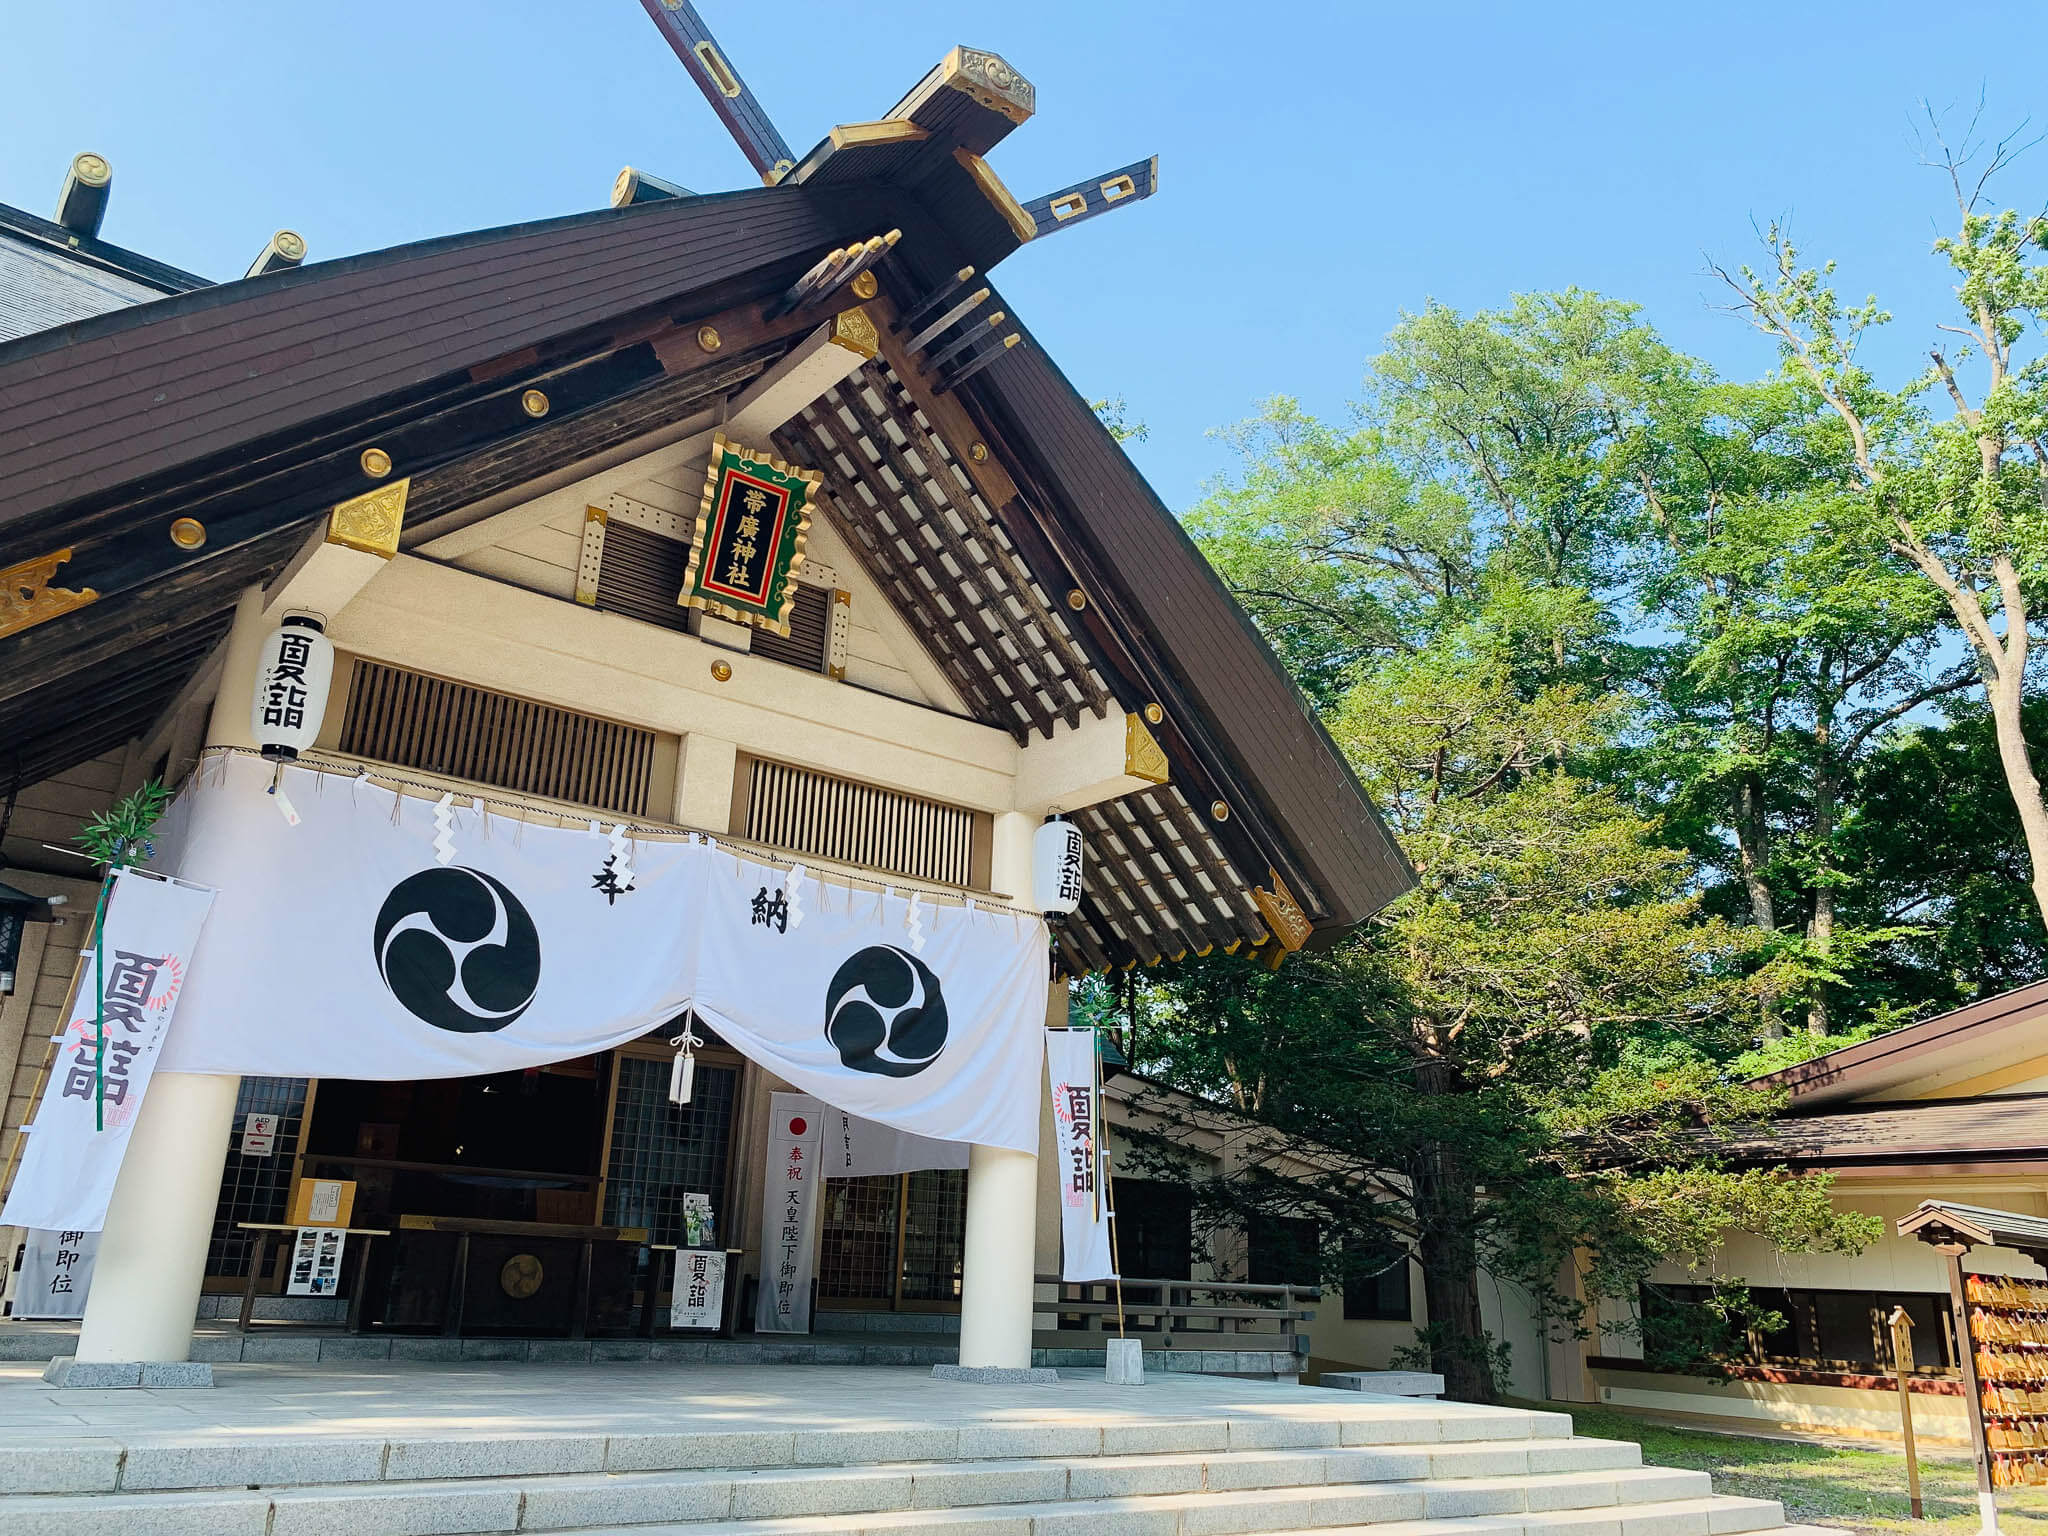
point(1946, 473)
point(1496, 1055)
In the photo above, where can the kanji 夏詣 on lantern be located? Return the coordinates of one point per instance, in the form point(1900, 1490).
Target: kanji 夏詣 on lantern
point(750, 534)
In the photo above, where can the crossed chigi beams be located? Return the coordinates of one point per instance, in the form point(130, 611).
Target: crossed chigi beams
point(996, 98)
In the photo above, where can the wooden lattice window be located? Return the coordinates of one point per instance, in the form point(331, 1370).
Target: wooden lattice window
point(462, 732)
point(860, 824)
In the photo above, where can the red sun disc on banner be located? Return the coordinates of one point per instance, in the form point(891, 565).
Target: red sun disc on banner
point(798, 1125)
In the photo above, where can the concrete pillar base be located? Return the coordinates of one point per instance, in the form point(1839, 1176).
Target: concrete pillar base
point(70, 1371)
point(1125, 1366)
point(998, 1375)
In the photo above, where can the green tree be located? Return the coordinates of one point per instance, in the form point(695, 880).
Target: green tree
point(1507, 1067)
point(1945, 474)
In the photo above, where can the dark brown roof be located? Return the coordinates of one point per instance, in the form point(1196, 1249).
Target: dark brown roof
point(1953, 1043)
point(106, 402)
point(108, 425)
point(1932, 1130)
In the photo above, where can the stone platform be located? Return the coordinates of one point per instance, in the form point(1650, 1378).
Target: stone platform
point(400, 1448)
point(289, 1341)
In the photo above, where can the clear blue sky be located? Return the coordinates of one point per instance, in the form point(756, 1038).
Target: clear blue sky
point(1323, 166)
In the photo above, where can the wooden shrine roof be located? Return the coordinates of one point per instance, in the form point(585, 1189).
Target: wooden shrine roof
point(247, 405)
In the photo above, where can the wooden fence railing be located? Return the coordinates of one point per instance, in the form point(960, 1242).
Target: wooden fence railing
point(1199, 1312)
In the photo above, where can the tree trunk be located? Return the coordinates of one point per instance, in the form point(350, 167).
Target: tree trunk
point(1820, 928)
point(1446, 1201)
point(1450, 1285)
point(2005, 692)
point(1753, 854)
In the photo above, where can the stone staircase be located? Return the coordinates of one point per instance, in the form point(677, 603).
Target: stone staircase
point(1390, 1470)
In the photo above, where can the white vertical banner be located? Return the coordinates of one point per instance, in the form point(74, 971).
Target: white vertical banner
point(67, 1175)
point(56, 1272)
point(1076, 1118)
point(789, 1214)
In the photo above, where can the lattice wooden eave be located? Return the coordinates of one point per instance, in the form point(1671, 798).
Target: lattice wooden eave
point(1158, 885)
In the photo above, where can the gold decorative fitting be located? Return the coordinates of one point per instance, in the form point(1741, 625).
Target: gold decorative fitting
point(27, 598)
point(291, 245)
point(887, 131)
point(596, 515)
point(978, 453)
point(864, 285)
point(1077, 599)
point(187, 532)
point(376, 463)
point(1218, 811)
point(534, 403)
point(1022, 225)
point(989, 80)
point(371, 522)
point(722, 77)
point(721, 671)
point(1154, 714)
point(1143, 756)
point(708, 338)
point(92, 169)
point(853, 330)
point(1282, 912)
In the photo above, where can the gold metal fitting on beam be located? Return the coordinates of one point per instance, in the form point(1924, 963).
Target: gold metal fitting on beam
point(708, 339)
point(371, 522)
point(721, 671)
point(534, 403)
point(865, 285)
point(1143, 756)
point(1218, 811)
point(187, 532)
point(1077, 599)
point(855, 331)
point(1154, 714)
point(978, 453)
point(376, 463)
point(1282, 912)
point(27, 598)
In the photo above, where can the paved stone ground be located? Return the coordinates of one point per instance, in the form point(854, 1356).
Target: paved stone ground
point(416, 1398)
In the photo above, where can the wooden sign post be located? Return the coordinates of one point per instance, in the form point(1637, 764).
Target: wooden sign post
point(1902, 1362)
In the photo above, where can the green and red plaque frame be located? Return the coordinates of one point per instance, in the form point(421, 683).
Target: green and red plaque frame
point(750, 535)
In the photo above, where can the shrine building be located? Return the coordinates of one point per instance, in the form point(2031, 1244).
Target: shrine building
point(482, 467)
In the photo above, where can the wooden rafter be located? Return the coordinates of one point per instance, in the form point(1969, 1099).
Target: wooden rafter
point(1015, 579)
point(931, 512)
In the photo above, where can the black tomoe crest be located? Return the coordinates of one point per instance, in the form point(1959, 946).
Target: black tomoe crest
point(458, 950)
point(885, 1013)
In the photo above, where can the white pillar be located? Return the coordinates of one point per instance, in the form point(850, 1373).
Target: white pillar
point(998, 1264)
point(152, 1259)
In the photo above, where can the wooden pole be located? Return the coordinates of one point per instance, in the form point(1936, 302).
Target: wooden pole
point(1902, 1363)
point(1115, 1258)
point(1973, 1391)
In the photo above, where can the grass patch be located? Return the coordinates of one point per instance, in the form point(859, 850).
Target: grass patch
point(1821, 1484)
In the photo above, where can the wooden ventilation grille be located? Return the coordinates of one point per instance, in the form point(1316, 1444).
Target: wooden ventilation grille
point(460, 732)
point(810, 632)
point(858, 824)
point(641, 574)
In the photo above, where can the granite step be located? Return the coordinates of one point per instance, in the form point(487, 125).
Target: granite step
point(1710, 1516)
point(955, 1497)
point(1469, 1441)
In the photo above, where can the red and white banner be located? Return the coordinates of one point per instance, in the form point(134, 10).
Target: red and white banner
point(1070, 1063)
point(809, 1142)
point(67, 1174)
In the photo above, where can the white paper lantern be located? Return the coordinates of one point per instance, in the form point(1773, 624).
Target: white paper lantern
point(292, 678)
point(1056, 866)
